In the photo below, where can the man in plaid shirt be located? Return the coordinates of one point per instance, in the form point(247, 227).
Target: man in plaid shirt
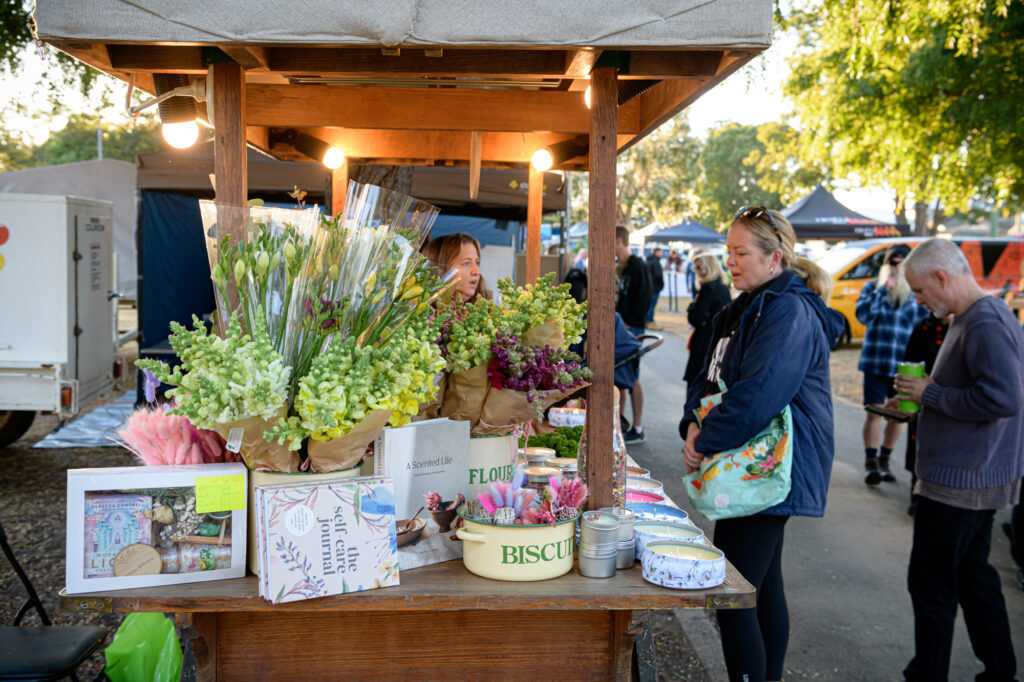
point(889, 311)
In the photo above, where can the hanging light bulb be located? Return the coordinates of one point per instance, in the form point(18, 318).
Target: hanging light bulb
point(541, 160)
point(333, 158)
point(177, 113)
point(180, 135)
point(586, 96)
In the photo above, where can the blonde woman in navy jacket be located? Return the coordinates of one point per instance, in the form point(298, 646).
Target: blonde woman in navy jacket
point(771, 348)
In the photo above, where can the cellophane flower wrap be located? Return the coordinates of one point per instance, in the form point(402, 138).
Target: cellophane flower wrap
point(507, 361)
point(343, 306)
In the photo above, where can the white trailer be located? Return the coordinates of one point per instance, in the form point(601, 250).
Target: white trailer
point(58, 307)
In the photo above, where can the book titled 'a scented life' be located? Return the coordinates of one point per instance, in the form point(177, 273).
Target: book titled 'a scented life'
point(324, 538)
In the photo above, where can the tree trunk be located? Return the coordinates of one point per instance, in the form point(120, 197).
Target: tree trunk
point(938, 215)
point(901, 210)
point(920, 219)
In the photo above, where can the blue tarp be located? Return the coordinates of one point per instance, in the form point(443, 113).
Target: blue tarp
point(174, 271)
point(687, 231)
point(484, 230)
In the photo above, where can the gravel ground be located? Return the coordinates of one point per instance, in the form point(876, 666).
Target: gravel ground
point(33, 511)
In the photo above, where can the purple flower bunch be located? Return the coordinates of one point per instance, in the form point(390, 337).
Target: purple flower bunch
point(324, 314)
point(533, 369)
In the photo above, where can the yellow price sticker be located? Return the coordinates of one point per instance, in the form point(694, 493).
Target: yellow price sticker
point(220, 493)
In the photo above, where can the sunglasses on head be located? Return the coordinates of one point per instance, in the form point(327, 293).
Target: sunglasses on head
point(758, 212)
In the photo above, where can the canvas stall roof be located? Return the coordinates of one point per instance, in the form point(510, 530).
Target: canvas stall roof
point(189, 170)
point(106, 179)
point(687, 231)
point(819, 215)
point(597, 23)
point(408, 82)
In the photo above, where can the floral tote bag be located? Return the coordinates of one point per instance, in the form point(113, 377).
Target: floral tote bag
point(747, 479)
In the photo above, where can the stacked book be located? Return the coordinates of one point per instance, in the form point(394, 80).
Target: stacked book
point(327, 537)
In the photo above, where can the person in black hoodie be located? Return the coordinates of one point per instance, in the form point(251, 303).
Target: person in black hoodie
point(633, 301)
point(657, 280)
point(712, 296)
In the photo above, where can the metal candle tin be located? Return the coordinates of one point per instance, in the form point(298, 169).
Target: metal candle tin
point(537, 476)
point(625, 517)
point(661, 531)
point(597, 562)
point(568, 465)
point(644, 484)
point(658, 512)
point(625, 557)
point(536, 455)
point(638, 471)
point(598, 528)
point(683, 565)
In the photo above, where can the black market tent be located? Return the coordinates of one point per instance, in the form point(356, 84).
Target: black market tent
point(687, 231)
point(819, 215)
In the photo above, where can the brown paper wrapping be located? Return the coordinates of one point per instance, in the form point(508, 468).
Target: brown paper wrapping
point(464, 396)
point(255, 451)
point(504, 409)
point(346, 451)
point(547, 334)
point(432, 409)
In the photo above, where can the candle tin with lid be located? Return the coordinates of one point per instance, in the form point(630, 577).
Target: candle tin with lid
point(658, 512)
point(625, 517)
point(597, 561)
point(535, 455)
point(567, 465)
point(643, 496)
point(644, 484)
point(598, 528)
point(637, 471)
point(538, 477)
point(625, 555)
point(683, 565)
point(660, 531)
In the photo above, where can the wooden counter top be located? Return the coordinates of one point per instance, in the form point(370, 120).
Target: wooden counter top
point(441, 587)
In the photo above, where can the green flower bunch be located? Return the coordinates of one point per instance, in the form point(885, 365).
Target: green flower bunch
point(348, 382)
point(223, 380)
point(468, 330)
point(538, 303)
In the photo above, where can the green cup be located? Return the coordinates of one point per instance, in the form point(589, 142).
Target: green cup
point(912, 369)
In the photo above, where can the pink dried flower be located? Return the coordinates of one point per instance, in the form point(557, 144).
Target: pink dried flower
point(433, 501)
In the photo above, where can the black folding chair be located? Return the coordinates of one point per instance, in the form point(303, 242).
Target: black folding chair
point(42, 653)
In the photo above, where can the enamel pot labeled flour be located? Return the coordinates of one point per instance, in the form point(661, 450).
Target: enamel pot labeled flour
point(519, 553)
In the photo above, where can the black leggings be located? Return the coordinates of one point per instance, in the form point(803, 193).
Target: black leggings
point(754, 640)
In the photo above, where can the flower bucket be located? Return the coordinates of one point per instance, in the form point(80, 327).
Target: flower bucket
point(491, 459)
point(271, 478)
point(517, 553)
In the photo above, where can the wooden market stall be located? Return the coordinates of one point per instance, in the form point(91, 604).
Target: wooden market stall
point(437, 83)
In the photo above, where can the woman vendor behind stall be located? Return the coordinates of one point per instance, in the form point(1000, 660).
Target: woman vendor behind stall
point(462, 252)
point(771, 348)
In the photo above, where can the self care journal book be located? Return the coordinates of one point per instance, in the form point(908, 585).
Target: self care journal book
point(325, 538)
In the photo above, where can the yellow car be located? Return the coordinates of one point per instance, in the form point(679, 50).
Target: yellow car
point(995, 261)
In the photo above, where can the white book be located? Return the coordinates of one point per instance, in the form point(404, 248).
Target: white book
point(424, 457)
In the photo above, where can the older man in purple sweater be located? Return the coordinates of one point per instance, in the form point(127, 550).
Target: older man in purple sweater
point(970, 461)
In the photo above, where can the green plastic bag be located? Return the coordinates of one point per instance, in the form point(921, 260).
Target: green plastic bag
point(145, 647)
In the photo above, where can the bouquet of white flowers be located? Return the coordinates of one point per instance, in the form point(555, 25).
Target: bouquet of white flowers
point(328, 337)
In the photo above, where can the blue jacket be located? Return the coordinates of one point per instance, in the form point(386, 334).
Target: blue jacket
point(778, 356)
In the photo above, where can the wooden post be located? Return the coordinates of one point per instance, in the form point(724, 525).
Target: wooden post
point(475, 152)
point(339, 188)
point(601, 283)
point(534, 209)
point(230, 169)
point(229, 160)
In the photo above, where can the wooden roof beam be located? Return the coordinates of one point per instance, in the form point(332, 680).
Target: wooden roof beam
point(578, 63)
point(429, 147)
point(250, 57)
point(306, 106)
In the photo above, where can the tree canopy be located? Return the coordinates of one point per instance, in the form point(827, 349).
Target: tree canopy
point(77, 142)
point(923, 97)
point(727, 182)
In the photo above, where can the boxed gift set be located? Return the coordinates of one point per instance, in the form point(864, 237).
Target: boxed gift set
point(154, 525)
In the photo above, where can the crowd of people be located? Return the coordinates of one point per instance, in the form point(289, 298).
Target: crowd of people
point(769, 348)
